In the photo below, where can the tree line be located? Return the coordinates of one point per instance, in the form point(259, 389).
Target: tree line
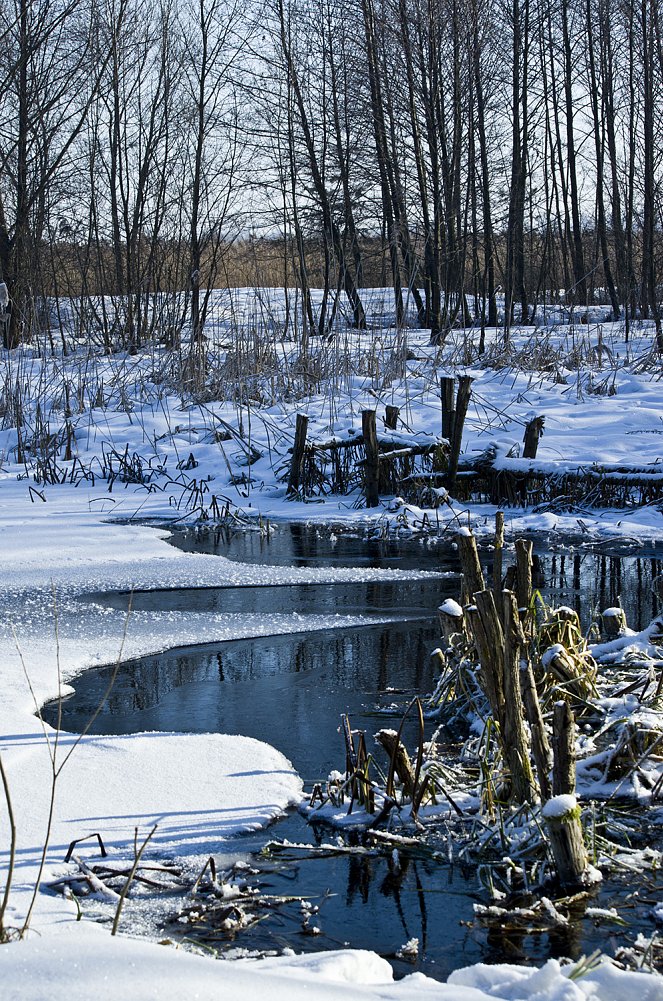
point(479, 157)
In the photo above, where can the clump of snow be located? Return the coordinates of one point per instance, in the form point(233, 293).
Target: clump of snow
point(550, 654)
point(410, 950)
point(559, 806)
point(551, 983)
point(451, 607)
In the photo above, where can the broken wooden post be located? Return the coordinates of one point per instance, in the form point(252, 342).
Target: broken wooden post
point(524, 580)
point(498, 553)
point(516, 745)
point(469, 563)
point(372, 463)
point(533, 431)
point(452, 620)
point(562, 817)
point(402, 766)
point(562, 813)
point(391, 417)
point(613, 623)
point(489, 642)
point(297, 462)
point(564, 751)
point(447, 385)
point(540, 744)
point(462, 403)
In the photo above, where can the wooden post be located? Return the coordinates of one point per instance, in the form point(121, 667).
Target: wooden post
point(613, 623)
point(391, 417)
point(462, 403)
point(447, 386)
point(562, 817)
point(516, 745)
point(562, 813)
point(540, 743)
point(452, 620)
point(296, 465)
point(533, 431)
point(497, 558)
point(372, 464)
point(490, 640)
point(524, 579)
point(564, 768)
point(489, 646)
point(469, 563)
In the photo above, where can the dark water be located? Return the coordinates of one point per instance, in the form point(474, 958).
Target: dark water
point(290, 692)
point(287, 690)
point(588, 577)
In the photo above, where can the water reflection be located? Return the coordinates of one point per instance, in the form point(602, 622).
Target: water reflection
point(287, 690)
point(588, 580)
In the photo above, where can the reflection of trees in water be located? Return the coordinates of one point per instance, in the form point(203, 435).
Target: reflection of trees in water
point(590, 583)
point(371, 659)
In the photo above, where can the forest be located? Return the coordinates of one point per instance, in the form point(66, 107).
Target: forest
point(479, 157)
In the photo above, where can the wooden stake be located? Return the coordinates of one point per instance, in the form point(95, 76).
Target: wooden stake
point(497, 558)
point(524, 576)
point(372, 464)
point(473, 580)
point(447, 386)
point(533, 431)
point(489, 640)
point(564, 751)
point(613, 623)
point(540, 743)
point(452, 621)
point(561, 813)
point(462, 403)
point(562, 817)
point(516, 744)
point(296, 465)
point(391, 417)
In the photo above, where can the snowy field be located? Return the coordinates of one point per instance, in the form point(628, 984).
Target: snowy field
point(91, 448)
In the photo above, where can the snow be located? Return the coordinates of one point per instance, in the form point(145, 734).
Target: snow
point(104, 968)
point(559, 806)
point(451, 607)
point(62, 540)
point(605, 983)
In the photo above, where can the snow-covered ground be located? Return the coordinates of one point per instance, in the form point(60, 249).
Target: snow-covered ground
point(61, 540)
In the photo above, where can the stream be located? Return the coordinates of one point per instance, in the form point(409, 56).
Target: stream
point(290, 692)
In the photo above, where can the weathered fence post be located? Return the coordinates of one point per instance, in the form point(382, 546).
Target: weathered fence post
point(372, 460)
point(462, 403)
point(469, 563)
point(452, 620)
point(540, 743)
point(391, 417)
point(524, 579)
point(613, 623)
point(497, 559)
point(447, 385)
point(514, 736)
point(533, 431)
point(296, 465)
point(564, 769)
point(562, 813)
